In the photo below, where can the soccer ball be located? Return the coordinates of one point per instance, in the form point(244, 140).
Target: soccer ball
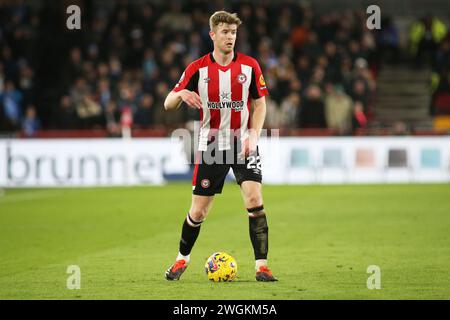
point(220, 266)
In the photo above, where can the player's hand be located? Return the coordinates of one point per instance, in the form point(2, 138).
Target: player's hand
point(249, 146)
point(191, 98)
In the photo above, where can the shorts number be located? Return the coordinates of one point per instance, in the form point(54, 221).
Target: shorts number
point(254, 162)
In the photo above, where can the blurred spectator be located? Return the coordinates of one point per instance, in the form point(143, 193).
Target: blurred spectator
point(441, 92)
point(425, 35)
point(440, 80)
point(303, 68)
point(144, 113)
point(127, 96)
point(9, 63)
point(67, 114)
point(174, 19)
point(359, 117)
point(11, 99)
point(26, 82)
point(338, 109)
point(290, 111)
point(79, 90)
point(359, 92)
point(272, 114)
point(115, 70)
point(30, 123)
point(388, 41)
point(312, 46)
point(443, 55)
point(300, 36)
point(149, 65)
point(400, 129)
point(112, 115)
point(89, 112)
point(312, 114)
point(105, 95)
point(74, 68)
point(362, 85)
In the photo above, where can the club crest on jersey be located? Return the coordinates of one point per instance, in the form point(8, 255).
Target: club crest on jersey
point(241, 78)
point(205, 183)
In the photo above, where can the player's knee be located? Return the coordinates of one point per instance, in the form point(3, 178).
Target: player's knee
point(254, 201)
point(198, 214)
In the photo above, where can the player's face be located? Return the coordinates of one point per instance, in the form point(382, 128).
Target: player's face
point(224, 37)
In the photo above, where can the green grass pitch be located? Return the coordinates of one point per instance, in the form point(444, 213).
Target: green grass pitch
point(322, 239)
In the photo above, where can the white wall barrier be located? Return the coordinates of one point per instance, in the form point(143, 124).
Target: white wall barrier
point(87, 162)
point(357, 160)
point(117, 162)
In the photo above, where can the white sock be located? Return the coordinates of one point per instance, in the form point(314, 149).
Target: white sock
point(181, 257)
point(259, 263)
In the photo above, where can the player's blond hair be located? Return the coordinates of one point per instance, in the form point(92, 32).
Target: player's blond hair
point(219, 17)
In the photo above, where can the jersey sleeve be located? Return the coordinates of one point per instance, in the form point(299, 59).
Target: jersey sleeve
point(258, 86)
point(189, 79)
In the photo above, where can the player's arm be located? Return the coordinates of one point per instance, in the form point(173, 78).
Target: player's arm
point(174, 99)
point(184, 90)
point(259, 115)
point(258, 91)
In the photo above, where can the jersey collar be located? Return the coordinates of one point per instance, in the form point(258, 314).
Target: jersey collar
point(235, 54)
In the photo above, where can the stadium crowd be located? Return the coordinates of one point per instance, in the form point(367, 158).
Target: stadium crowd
point(320, 69)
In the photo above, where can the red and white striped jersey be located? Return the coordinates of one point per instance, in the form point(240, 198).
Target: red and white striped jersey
point(226, 93)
